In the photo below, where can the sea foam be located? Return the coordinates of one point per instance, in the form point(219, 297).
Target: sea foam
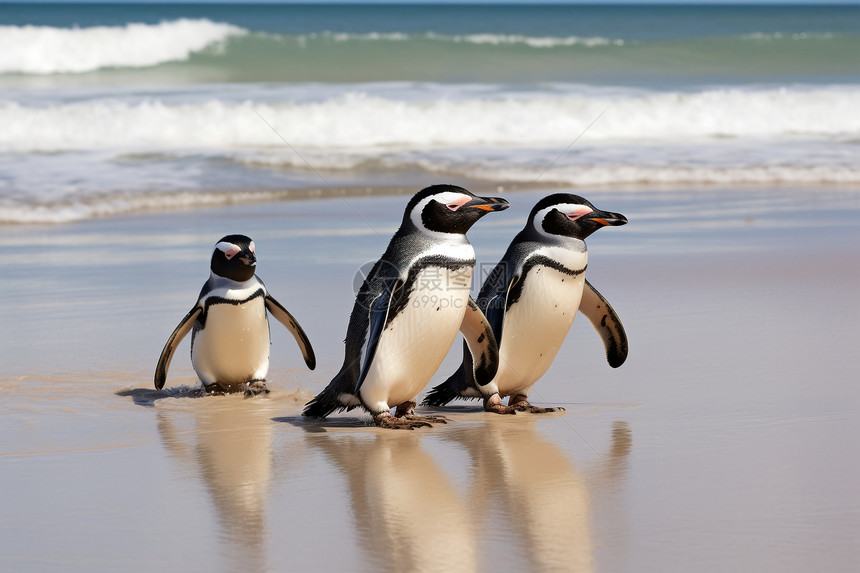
point(106, 205)
point(65, 158)
point(48, 50)
point(487, 39)
point(360, 120)
point(530, 41)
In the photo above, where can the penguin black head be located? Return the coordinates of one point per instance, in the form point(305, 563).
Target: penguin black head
point(570, 215)
point(234, 258)
point(449, 209)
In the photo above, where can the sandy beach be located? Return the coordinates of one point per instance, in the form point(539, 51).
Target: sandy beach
point(727, 441)
point(134, 136)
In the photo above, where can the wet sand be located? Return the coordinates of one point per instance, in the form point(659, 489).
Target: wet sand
point(728, 441)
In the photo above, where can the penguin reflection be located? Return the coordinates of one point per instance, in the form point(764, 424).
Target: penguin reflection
point(544, 498)
point(231, 448)
point(407, 512)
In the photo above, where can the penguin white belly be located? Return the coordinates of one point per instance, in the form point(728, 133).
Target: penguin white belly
point(413, 345)
point(535, 327)
point(233, 347)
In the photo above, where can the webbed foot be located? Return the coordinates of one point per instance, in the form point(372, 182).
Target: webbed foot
point(386, 420)
point(494, 404)
point(407, 410)
point(521, 404)
point(256, 388)
point(214, 390)
point(428, 419)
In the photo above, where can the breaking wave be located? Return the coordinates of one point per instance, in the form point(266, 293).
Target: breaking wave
point(49, 50)
point(361, 120)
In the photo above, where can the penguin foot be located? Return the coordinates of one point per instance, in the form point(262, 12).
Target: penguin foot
point(428, 419)
point(494, 404)
point(214, 390)
point(406, 410)
point(256, 388)
point(386, 420)
point(521, 404)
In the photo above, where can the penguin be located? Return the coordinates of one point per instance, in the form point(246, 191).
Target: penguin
point(409, 309)
point(531, 298)
point(229, 325)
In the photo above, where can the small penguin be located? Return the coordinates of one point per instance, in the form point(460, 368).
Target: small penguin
point(408, 312)
point(229, 324)
point(531, 298)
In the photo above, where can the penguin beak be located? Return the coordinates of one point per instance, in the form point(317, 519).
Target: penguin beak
point(606, 218)
point(488, 204)
point(249, 259)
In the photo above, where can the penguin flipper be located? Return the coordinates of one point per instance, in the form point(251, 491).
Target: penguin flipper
point(176, 337)
point(482, 345)
point(480, 362)
point(607, 324)
point(378, 317)
point(284, 317)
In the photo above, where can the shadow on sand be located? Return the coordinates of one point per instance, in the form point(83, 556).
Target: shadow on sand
point(148, 397)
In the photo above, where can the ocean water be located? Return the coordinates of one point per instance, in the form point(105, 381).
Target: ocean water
point(108, 109)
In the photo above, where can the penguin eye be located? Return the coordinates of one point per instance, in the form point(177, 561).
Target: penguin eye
point(229, 249)
point(456, 200)
point(253, 248)
point(578, 212)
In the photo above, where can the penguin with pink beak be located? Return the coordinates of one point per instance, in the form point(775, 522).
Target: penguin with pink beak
point(530, 300)
point(229, 325)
